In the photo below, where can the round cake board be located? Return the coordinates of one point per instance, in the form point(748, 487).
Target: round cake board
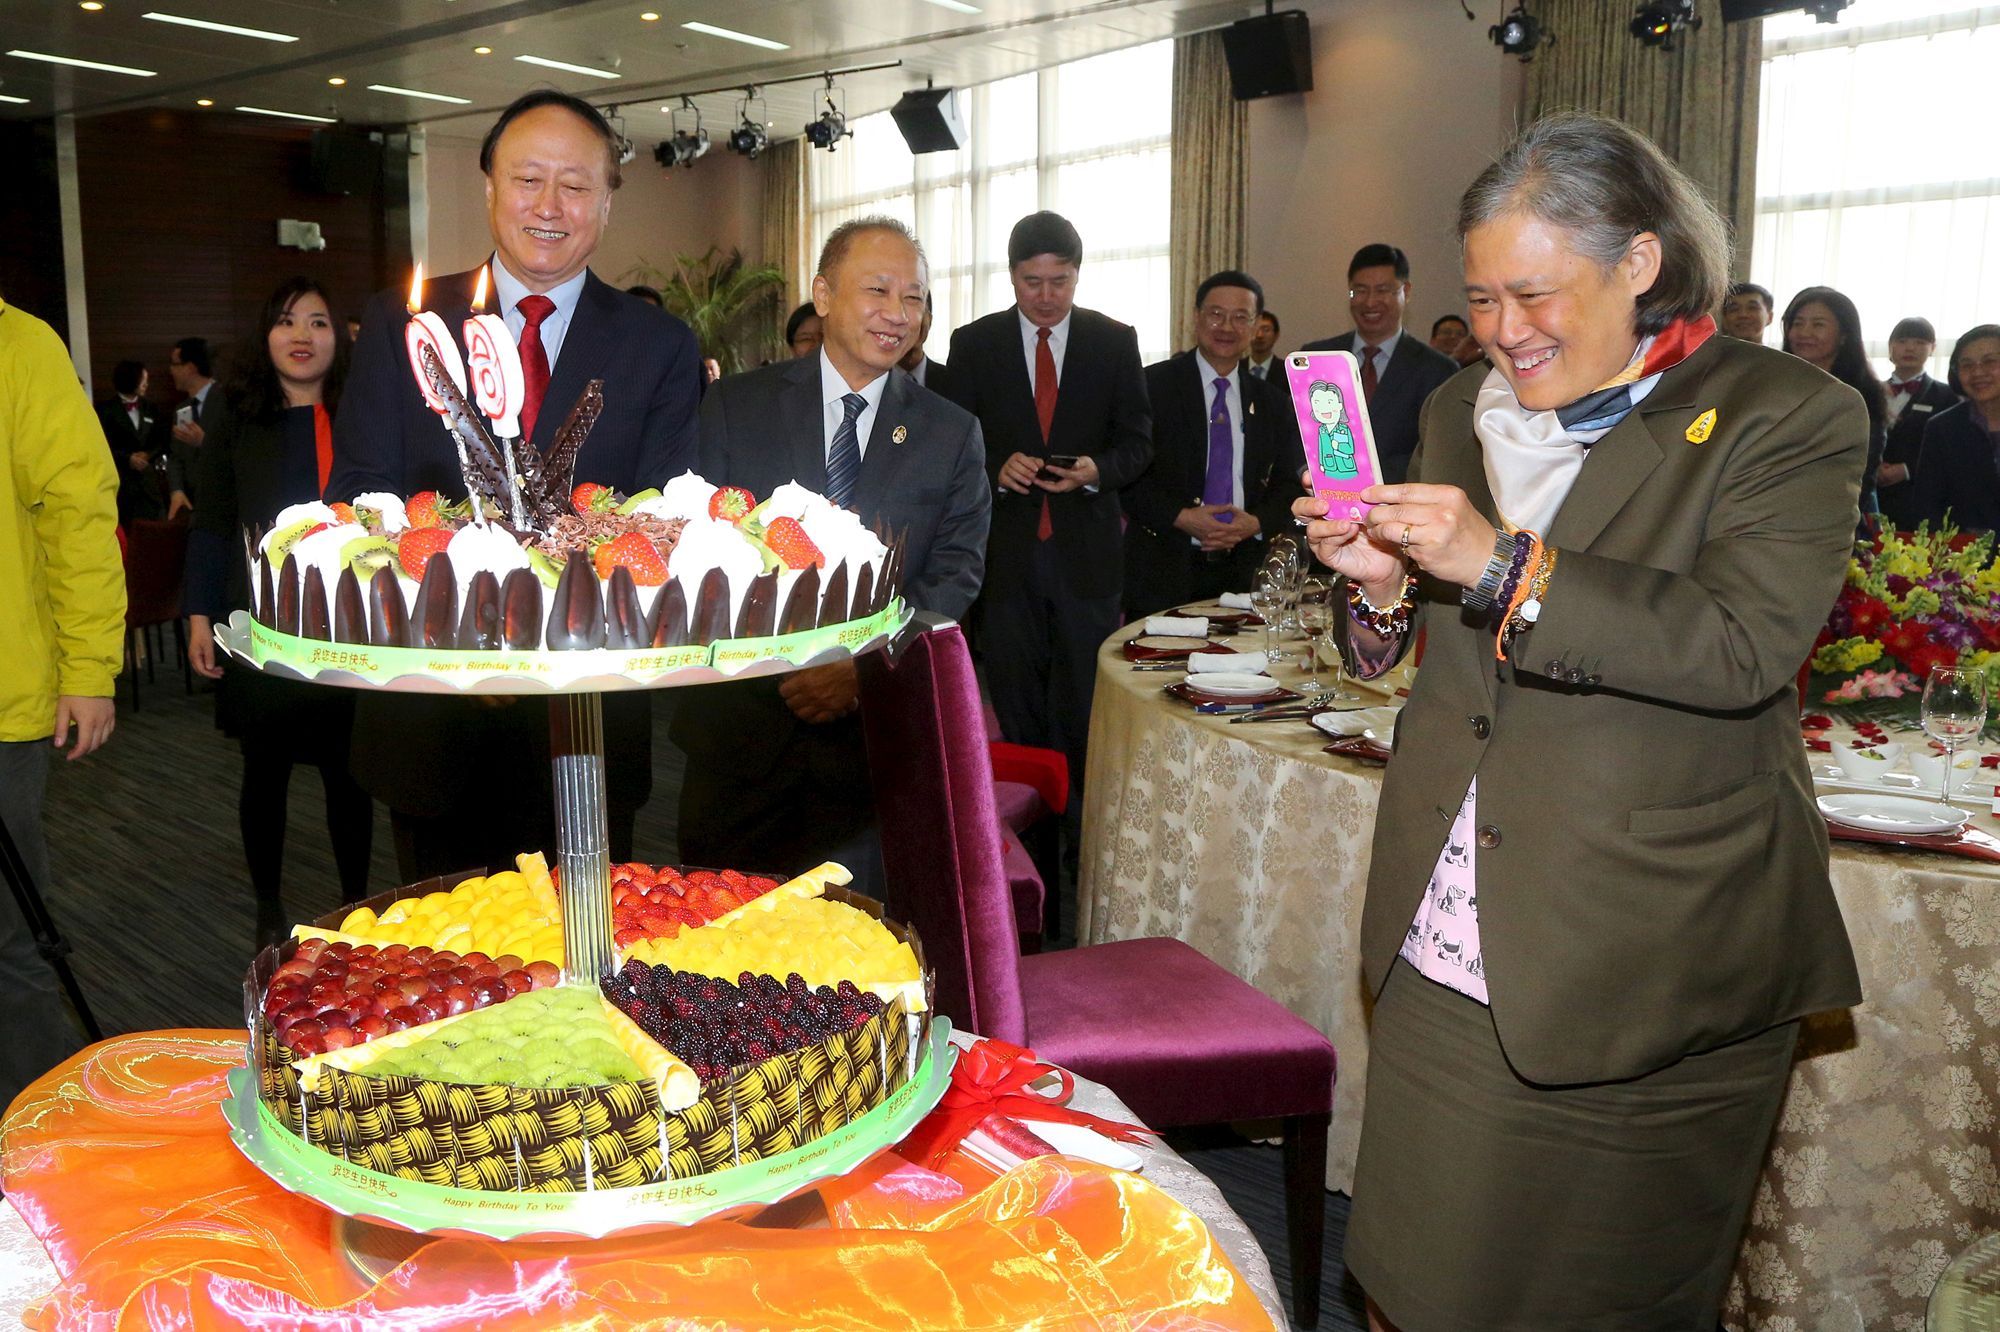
point(429, 1209)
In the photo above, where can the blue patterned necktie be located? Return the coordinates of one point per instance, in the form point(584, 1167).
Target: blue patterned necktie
point(843, 464)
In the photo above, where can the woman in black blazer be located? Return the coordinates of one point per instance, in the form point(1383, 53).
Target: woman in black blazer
point(270, 444)
point(1958, 475)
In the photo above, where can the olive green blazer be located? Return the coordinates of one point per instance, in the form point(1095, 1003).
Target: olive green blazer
point(1651, 869)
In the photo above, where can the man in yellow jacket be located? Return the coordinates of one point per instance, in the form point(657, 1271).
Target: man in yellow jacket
point(62, 620)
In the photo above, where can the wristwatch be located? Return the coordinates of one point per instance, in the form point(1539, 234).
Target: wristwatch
point(1480, 598)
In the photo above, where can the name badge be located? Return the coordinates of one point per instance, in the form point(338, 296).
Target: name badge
point(1922, 407)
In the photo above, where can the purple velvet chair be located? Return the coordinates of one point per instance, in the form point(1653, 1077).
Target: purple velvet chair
point(1179, 1039)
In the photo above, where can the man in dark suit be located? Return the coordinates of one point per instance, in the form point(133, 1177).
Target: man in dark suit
point(192, 368)
point(1264, 362)
point(138, 438)
point(1913, 398)
point(467, 783)
point(1061, 397)
point(1397, 371)
point(777, 769)
point(928, 372)
point(1224, 454)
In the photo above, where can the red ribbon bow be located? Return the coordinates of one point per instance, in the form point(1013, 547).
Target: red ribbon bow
point(992, 1077)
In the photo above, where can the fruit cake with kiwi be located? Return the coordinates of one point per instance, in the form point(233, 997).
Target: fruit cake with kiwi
point(501, 1074)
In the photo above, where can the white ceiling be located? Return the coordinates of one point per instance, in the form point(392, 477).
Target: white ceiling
point(428, 45)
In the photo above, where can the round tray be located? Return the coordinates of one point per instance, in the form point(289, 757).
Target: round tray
point(601, 670)
point(436, 1210)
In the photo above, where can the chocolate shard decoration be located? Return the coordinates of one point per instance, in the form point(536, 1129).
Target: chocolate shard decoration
point(833, 605)
point(388, 617)
point(624, 622)
point(558, 468)
point(576, 621)
point(483, 464)
point(864, 594)
point(267, 599)
point(434, 621)
point(802, 606)
point(521, 611)
point(315, 619)
point(350, 613)
point(670, 617)
point(288, 595)
point(711, 608)
point(759, 616)
point(479, 627)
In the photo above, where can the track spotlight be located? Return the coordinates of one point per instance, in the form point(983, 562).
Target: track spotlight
point(749, 137)
point(627, 150)
point(1658, 24)
point(1520, 33)
point(831, 126)
point(685, 145)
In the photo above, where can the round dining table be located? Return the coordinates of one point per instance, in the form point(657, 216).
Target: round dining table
point(1250, 842)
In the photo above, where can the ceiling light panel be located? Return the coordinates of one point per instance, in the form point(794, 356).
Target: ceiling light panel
point(230, 28)
point(565, 66)
point(418, 92)
point(13, 101)
point(730, 34)
point(957, 6)
point(285, 115)
point(46, 58)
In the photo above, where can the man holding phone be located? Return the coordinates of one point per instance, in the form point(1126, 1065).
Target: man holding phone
point(1061, 398)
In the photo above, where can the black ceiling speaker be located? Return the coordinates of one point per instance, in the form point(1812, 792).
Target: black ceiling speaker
point(345, 159)
point(1269, 55)
point(929, 120)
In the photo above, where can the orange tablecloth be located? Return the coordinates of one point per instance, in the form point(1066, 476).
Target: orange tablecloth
point(121, 1163)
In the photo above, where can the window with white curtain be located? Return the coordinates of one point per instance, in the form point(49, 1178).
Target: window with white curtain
point(1874, 173)
point(1089, 139)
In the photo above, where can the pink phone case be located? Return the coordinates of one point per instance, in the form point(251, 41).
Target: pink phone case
point(1334, 430)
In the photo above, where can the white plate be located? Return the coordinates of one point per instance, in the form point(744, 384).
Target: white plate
point(1892, 813)
point(1231, 684)
point(1378, 723)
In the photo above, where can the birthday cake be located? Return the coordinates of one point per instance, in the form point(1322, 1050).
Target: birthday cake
point(389, 1039)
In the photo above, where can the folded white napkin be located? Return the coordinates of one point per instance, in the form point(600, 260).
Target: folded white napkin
point(1179, 626)
point(1235, 601)
point(1248, 663)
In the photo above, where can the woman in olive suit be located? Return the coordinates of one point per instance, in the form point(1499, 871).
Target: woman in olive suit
point(1599, 899)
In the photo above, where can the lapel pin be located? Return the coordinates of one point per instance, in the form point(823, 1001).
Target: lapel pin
point(1703, 427)
point(901, 433)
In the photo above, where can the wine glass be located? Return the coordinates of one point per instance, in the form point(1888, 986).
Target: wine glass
point(1266, 597)
point(1315, 618)
point(1954, 709)
point(1278, 570)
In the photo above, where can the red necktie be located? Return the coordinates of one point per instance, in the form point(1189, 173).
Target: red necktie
point(534, 359)
point(1368, 380)
point(1045, 412)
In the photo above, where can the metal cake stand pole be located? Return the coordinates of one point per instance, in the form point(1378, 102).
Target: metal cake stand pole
point(583, 837)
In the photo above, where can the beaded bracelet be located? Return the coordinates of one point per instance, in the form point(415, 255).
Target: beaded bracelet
point(1524, 616)
point(1516, 593)
point(1525, 544)
point(1388, 622)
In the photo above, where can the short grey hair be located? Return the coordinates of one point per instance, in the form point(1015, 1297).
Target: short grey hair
point(841, 238)
point(1603, 183)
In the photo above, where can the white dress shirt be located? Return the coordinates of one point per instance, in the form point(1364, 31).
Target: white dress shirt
point(1058, 342)
point(1384, 350)
point(832, 388)
point(507, 294)
point(1898, 401)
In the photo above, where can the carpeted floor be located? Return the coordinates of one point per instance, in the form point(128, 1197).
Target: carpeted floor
point(149, 888)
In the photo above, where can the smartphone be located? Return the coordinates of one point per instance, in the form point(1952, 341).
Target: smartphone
point(184, 414)
point(1334, 430)
point(1057, 460)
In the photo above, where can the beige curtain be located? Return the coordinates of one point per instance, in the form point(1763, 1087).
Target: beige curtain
point(787, 207)
point(1698, 102)
point(1205, 217)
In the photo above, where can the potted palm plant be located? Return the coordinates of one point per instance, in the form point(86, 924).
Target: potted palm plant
point(731, 306)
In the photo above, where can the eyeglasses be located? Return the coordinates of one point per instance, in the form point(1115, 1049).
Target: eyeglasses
point(1983, 363)
point(1384, 292)
point(1216, 317)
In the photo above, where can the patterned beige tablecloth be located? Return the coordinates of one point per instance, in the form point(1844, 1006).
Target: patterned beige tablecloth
point(1252, 845)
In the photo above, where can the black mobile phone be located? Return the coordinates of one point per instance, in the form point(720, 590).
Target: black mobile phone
point(1057, 460)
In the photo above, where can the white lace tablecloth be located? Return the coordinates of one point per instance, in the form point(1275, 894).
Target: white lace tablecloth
point(1251, 844)
point(26, 1274)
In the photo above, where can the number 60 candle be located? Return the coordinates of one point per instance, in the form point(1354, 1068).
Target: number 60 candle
point(494, 363)
point(425, 329)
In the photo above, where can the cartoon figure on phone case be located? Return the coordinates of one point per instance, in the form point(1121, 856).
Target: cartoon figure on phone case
point(1336, 438)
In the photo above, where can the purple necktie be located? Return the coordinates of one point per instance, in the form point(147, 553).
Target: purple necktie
point(1220, 488)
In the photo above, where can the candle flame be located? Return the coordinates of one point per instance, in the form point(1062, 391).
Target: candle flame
point(417, 289)
point(479, 294)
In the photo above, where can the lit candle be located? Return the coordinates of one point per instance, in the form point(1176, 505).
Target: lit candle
point(494, 366)
point(425, 329)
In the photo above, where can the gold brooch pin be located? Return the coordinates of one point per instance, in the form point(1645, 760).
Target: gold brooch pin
point(1703, 427)
point(899, 434)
